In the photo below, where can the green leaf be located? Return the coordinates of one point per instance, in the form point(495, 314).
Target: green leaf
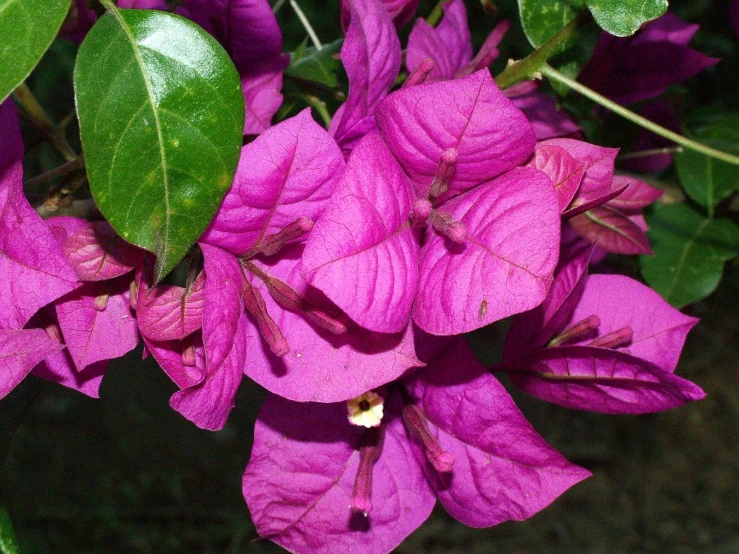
point(689, 253)
point(542, 18)
point(27, 28)
point(8, 542)
point(706, 180)
point(316, 66)
point(161, 120)
point(624, 17)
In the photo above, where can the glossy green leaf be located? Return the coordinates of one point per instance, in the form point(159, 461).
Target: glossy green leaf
point(542, 18)
point(316, 66)
point(689, 253)
point(161, 118)
point(8, 543)
point(624, 17)
point(706, 180)
point(27, 28)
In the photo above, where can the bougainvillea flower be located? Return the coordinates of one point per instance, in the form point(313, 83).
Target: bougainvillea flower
point(371, 57)
point(317, 483)
point(299, 344)
point(448, 46)
point(603, 343)
point(420, 222)
point(642, 66)
point(618, 225)
point(95, 319)
point(249, 32)
point(33, 269)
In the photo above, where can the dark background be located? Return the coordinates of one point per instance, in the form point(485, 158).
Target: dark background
point(126, 474)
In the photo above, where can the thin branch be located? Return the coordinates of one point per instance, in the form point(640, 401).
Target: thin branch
point(64, 169)
point(38, 117)
point(308, 28)
point(555, 75)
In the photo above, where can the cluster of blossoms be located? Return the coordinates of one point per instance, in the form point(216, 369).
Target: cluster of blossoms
point(344, 263)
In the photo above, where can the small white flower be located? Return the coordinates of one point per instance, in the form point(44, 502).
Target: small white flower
point(365, 410)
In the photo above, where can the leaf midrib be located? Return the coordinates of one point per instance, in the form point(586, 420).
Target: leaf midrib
point(162, 154)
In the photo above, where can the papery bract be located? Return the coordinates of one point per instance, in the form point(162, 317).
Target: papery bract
point(365, 233)
point(59, 367)
point(249, 32)
point(97, 322)
point(371, 56)
point(617, 225)
point(171, 312)
point(20, 351)
point(33, 269)
point(448, 45)
point(505, 264)
point(642, 66)
point(322, 366)
point(565, 172)
point(548, 120)
point(208, 403)
point(289, 172)
point(469, 118)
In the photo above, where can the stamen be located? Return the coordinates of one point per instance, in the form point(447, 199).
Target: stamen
point(445, 224)
point(101, 302)
point(188, 355)
point(271, 244)
point(444, 172)
point(415, 423)
point(270, 331)
point(616, 339)
point(133, 294)
point(369, 451)
point(421, 211)
point(576, 331)
point(420, 74)
point(366, 410)
point(288, 298)
point(54, 331)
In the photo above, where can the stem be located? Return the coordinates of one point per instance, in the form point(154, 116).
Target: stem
point(650, 152)
point(304, 20)
point(60, 198)
point(555, 75)
point(525, 68)
point(64, 169)
point(435, 15)
point(40, 119)
point(278, 5)
point(320, 107)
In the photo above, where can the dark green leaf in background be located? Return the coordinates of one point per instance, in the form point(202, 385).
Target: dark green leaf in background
point(706, 180)
point(624, 17)
point(316, 66)
point(8, 543)
point(161, 119)
point(27, 28)
point(689, 253)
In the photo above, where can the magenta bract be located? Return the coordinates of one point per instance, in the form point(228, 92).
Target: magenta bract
point(316, 483)
point(603, 343)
